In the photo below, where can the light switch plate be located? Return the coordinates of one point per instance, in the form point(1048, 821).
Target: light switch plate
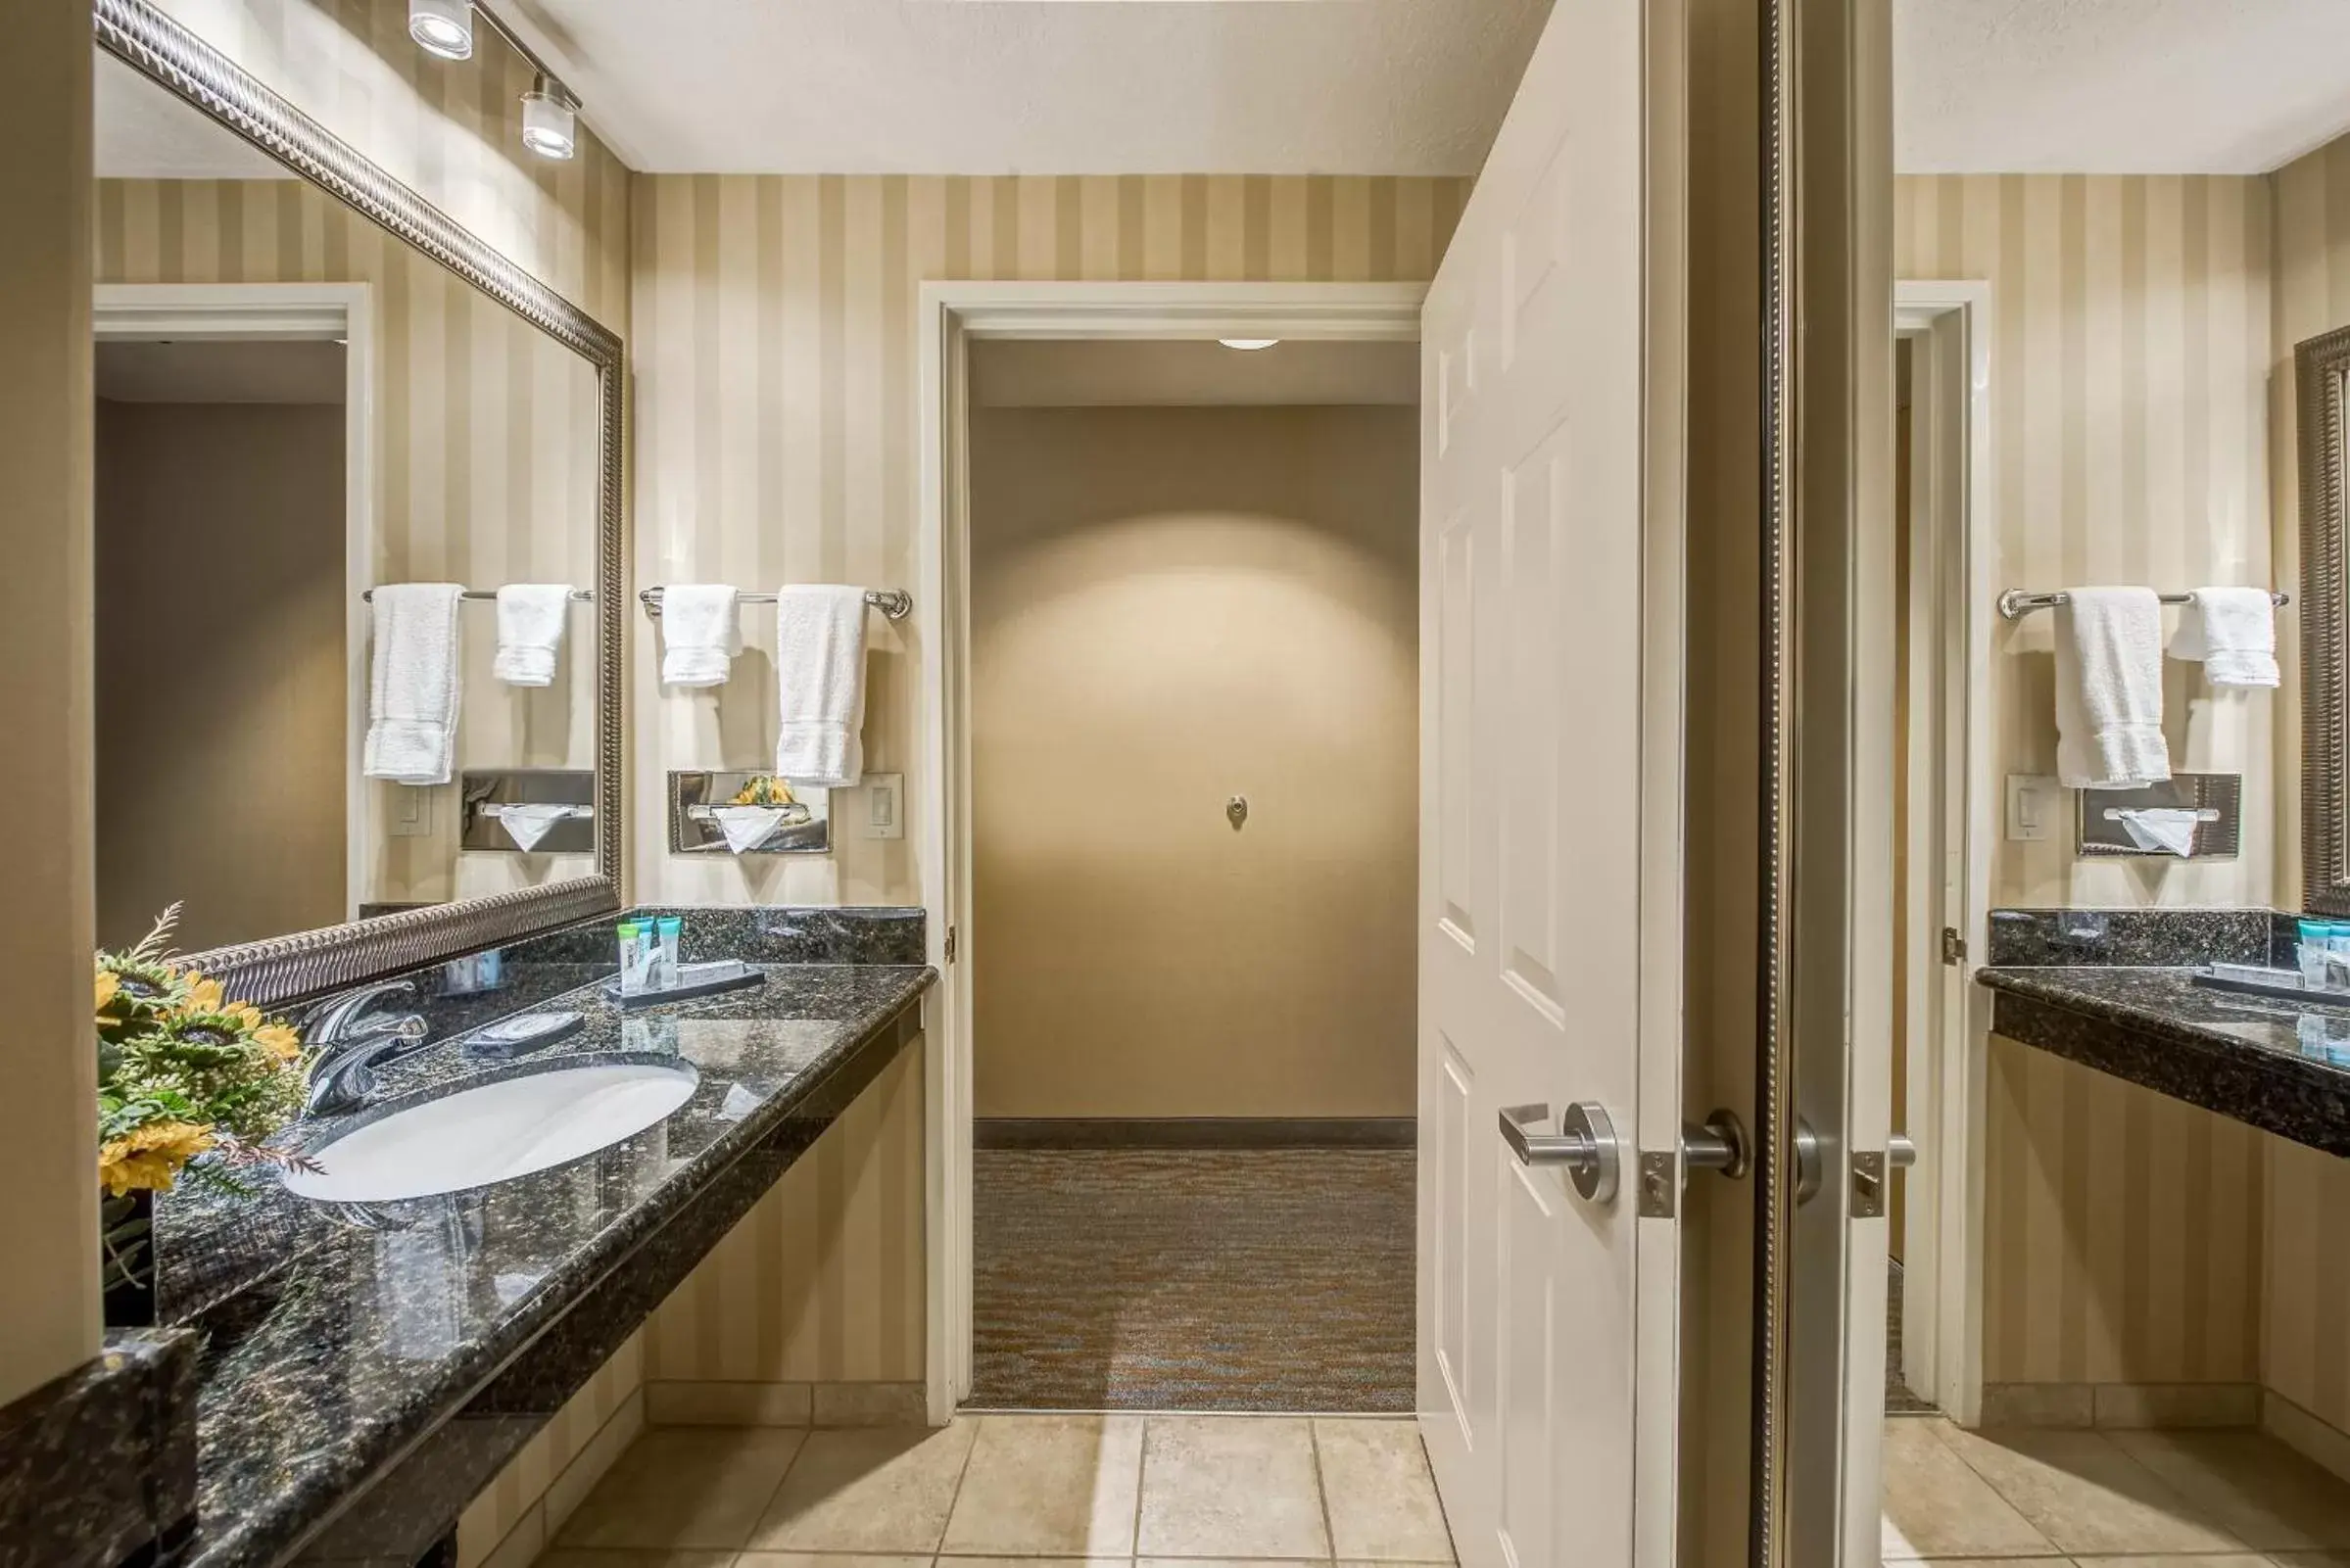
point(2036, 807)
point(885, 805)
point(411, 811)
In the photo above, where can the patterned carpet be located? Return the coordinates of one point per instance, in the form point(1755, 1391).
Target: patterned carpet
point(1275, 1279)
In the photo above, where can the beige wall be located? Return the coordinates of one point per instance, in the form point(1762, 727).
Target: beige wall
point(1169, 607)
point(49, 1161)
point(2129, 353)
point(221, 687)
point(823, 1281)
point(484, 462)
point(776, 430)
point(520, 1511)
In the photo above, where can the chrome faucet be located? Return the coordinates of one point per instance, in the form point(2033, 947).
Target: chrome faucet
point(346, 1047)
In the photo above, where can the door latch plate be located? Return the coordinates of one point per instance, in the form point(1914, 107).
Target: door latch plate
point(1868, 1184)
point(1660, 1181)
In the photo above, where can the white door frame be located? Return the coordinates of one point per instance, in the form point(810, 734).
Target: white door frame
point(949, 316)
point(293, 312)
point(1954, 800)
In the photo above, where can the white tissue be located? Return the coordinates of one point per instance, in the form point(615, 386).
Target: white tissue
point(2169, 829)
point(747, 827)
point(526, 824)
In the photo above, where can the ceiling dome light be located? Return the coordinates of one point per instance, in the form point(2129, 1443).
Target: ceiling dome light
point(1248, 344)
point(550, 121)
point(444, 28)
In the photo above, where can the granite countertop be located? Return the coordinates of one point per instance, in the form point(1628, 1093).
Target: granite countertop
point(2281, 1066)
point(322, 1375)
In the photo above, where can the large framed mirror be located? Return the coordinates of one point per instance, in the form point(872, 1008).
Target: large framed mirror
point(2321, 379)
point(358, 539)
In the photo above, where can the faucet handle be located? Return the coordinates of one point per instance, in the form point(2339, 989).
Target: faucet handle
point(331, 1017)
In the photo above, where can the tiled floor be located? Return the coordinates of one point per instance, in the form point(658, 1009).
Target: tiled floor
point(2107, 1499)
point(1112, 1489)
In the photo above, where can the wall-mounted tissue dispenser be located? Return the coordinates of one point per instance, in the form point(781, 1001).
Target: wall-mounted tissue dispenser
point(553, 810)
point(747, 814)
point(2193, 816)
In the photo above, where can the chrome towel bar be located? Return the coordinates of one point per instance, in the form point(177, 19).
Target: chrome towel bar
point(894, 604)
point(2016, 602)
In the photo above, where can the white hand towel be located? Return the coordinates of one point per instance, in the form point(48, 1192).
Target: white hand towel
point(530, 618)
point(2169, 829)
point(746, 828)
point(820, 676)
point(702, 632)
point(412, 684)
point(526, 824)
point(2232, 632)
point(2109, 690)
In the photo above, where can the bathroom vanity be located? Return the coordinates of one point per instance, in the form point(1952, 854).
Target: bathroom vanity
point(366, 1370)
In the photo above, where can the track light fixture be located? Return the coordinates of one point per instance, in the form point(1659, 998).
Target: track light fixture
point(444, 27)
point(549, 119)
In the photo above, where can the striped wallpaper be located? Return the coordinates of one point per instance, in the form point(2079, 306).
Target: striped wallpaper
point(540, 1487)
point(823, 1281)
point(776, 418)
point(486, 465)
point(2130, 356)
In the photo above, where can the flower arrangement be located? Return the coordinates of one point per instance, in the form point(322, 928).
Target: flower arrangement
point(188, 1079)
point(764, 791)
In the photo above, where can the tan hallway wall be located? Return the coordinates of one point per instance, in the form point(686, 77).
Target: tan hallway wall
point(220, 676)
point(776, 416)
point(1169, 607)
point(49, 1223)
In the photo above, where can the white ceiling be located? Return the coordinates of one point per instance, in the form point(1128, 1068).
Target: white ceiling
point(144, 132)
point(2117, 86)
point(1159, 372)
point(1019, 86)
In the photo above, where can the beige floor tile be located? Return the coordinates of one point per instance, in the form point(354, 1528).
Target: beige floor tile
point(2080, 1491)
point(869, 1489)
point(804, 1559)
point(1225, 1488)
point(2193, 1559)
point(2310, 1559)
point(2251, 1484)
point(595, 1557)
point(1935, 1507)
point(1050, 1485)
point(680, 1487)
point(1381, 1499)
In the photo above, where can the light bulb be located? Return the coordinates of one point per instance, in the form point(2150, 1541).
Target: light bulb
point(1248, 344)
point(444, 27)
point(550, 127)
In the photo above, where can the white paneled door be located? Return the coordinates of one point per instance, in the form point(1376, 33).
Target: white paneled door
point(1549, 831)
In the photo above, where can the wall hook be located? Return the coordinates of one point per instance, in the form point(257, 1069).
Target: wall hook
point(1236, 809)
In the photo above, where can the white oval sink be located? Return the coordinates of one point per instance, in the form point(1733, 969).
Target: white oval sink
point(543, 1115)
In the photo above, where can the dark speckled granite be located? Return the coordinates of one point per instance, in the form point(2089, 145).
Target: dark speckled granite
point(413, 1361)
point(100, 1465)
point(2087, 936)
point(789, 934)
point(2279, 1065)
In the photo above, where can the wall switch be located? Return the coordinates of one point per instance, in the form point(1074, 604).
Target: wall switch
point(411, 812)
point(885, 805)
point(2036, 806)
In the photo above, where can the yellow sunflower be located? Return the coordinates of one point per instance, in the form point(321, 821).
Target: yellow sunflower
point(109, 983)
point(278, 1040)
point(203, 996)
point(149, 1156)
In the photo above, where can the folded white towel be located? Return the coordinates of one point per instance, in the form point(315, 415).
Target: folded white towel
point(702, 632)
point(531, 617)
point(820, 677)
point(2232, 632)
point(527, 824)
point(412, 684)
point(2109, 690)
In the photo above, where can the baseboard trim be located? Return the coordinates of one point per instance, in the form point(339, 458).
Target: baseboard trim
point(2121, 1407)
point(2315, 1438)
point(740, 1403)
point(1195, 1132)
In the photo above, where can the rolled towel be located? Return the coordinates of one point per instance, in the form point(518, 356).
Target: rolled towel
point(530, 618)
point(412, 684)
point(2232, 632)
point(820, 680)
point(2109, 690)
point(702, 632)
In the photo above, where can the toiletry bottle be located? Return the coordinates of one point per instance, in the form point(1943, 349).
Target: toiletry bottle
point(2337, 954)
point(2309, 951)
point(632, 958)
point(671, 929)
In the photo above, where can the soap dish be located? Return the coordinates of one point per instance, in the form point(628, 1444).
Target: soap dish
point(523, 1033)
point(692, 979)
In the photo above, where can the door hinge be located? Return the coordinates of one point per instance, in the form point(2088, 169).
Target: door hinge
point(950, 944)
point(1953, 946)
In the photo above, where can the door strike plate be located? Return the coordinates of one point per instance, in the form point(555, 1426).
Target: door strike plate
point(1659, 1181)
point(1868, 1184)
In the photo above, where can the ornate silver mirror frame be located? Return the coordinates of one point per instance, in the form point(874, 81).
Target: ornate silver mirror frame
point(2321, 372)
point(307, 962)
